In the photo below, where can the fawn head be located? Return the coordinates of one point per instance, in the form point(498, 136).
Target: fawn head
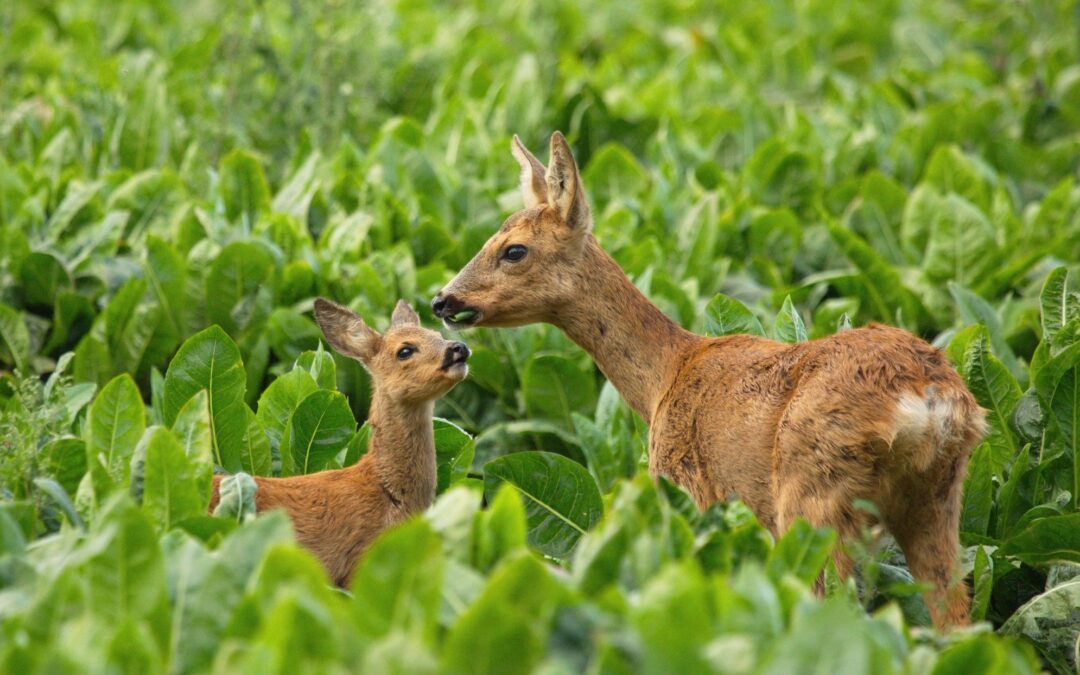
point(531, 267)
point(408, 362)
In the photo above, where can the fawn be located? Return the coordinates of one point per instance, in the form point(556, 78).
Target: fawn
point(336, 514)
point(793, 430)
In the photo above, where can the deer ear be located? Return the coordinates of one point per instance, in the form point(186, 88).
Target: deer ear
point(533, 187)
point(346, 331)
point(564, 189)
point(404, 315)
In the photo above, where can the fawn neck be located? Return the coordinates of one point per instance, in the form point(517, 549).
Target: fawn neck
point(402, 450)
point(636, 346)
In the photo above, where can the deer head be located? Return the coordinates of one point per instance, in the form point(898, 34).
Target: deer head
point(407, 363)
point(529, 268)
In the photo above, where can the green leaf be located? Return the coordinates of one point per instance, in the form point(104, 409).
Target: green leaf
point(884, 287)
point(554, 386)
point(60, 496)
point(173, 486)
point(1058, 386)
point(279, 400)
point(996, 390)
point(15, 339)
point(319, 428)
point(789, 326)
point(500, 528)
point(802, 551)
point(1047, 540)
point(166, 273)
point(238, 292)
point(508, 623)
point(727, 316)
point(236, 497)
point(193, 430)
point(320, 364)
point(561, 499)
point(66, 461)
point(984, 584)
point(114, 425)
point(398, 584)
point(1049, 621)
point(43, 277)
point(454, 450)
point(243, 186)
point(978, 492)
point(208, 360)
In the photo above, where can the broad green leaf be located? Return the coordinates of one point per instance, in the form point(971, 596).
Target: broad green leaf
point(727, 316)
point(279, 400)
point(114, 426)
point(996, 390)
point(802, 551)
point(561, 499)
point(243, 187)
point(1049, 621)
point(493, 632)
point(789, 326)
point(884, 288)
point(243, 442)
point(984, 583)
point(166, 275)
point(1047, 540)
point(237, 287)
point(193, 429)
point(43, 277)
point(1058, 386)
point(978, 492)
point(674, 619)
point(236, 497)
point(14, 339)
point(454, 450)
point(398, 583)
point(554, 386)
point(173, 485)
point(320, 364)
point(317, 430)
point(207, 360)
point(604, 461)
point(500, 528)
point(66, 461)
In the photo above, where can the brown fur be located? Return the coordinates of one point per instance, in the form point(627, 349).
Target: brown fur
point(337, 514)
point(793, 430)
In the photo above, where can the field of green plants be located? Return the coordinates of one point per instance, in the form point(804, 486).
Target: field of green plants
point(180, 180)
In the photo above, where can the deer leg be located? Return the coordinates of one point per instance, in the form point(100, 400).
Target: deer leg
point(927, 526)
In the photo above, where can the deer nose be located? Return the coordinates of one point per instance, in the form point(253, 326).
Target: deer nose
point(444, 305)
point(460, 351)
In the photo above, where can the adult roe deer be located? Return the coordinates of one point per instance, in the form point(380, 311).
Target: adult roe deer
point(336, 514)
point(806, 429)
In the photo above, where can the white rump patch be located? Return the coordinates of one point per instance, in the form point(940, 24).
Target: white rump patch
point(922, 424)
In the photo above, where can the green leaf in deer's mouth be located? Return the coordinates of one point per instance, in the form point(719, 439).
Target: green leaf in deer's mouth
point(463, 316)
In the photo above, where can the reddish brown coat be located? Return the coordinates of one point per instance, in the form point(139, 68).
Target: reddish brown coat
point(793, 430)
point(337, 514)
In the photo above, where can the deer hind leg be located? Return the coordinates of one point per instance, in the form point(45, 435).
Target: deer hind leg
point(820, 483)
point(926, 524)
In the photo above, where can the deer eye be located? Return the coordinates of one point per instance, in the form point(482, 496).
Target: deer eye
point(515, 253)
point(405, 352)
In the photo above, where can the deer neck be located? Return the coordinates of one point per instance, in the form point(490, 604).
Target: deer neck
point(401, 451)
point(636, 346)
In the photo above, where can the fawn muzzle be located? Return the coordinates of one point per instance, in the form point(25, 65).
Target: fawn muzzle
point(457, 353)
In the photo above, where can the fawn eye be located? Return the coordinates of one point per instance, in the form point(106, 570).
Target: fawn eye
point(405, 352)
point(515, 253)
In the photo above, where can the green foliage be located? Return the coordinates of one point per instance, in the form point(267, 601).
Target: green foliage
point(178, 184)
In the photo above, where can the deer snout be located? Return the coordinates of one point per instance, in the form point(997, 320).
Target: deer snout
point(457, 353)
point(453, 311)
point(444, 305)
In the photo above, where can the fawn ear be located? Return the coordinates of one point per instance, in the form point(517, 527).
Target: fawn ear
point(404, 315)
point(533, 186)
point(346, 331)
point(564, 189)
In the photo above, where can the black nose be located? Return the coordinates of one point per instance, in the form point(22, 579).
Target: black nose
point(445, 305)
point(460, 351)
